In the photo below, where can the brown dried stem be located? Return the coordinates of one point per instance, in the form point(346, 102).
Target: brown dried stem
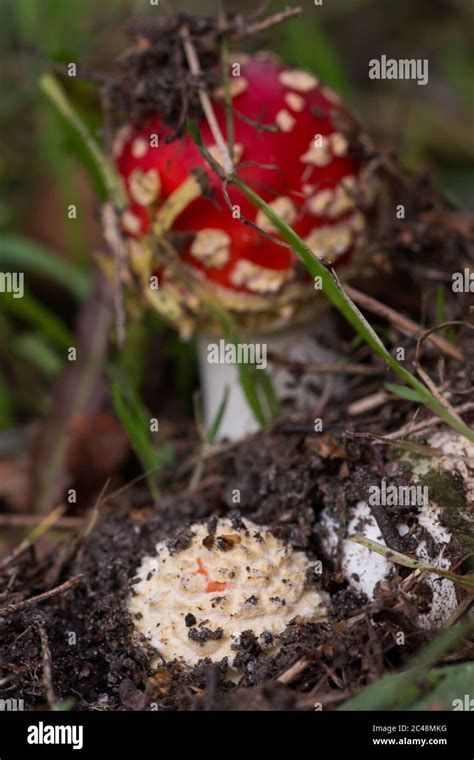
point(47, 668)
point(44, 525)
point(424, 425)
point(10, 609)
point(195, 69)
point(324, 369)
point(401, 322)
point(265, 24)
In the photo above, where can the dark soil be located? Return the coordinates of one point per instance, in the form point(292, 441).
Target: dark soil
point(284, 478)
point(154, 76)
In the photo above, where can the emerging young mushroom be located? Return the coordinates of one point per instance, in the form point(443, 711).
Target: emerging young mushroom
point(195, 602)
point(430, 513)
point(292, 143)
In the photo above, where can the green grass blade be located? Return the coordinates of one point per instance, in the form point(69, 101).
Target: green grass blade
point(35, 350)
point(394, 691)
point(216, 424)
point(310, 47)
point(406, 393)
point(255, 383)
point(136, 421)
point(132, 416)
point(449, 686)
point(53, 90)
point(32, 311)
point(21, 253)
point(335, 293)
point(465, 581)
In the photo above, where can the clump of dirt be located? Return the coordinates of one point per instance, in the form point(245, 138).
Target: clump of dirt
point(154, 74)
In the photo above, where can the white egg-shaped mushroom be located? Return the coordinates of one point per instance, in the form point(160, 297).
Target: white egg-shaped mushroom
point(441, 515)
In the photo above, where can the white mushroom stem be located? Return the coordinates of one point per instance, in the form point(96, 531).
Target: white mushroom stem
point(238, 420)
point(299, 393)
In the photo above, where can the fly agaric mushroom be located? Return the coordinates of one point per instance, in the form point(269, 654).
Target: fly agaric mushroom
point(317, 185)
point(196, 602)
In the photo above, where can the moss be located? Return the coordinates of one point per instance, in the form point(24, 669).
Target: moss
point(448, 490)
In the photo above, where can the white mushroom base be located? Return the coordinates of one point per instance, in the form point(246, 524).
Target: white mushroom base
point(365, 570)
point(300, 393)
point(197, 602)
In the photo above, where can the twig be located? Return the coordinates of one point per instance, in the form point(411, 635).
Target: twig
point(262, 26)
point(221, 448)
point(229, 113)
point(225, 66)
point(414, 448)
point(459, 612)
point(437, 393)
point(112, 225)
point(367, 403)
point(39, 530)
point(195, 68)
point(423, 425)
point(259, 125)
point(387, 529)
point(28, 521)
point(116, 243)
point(402, 322)
point(18, 606)
point(324, 369)
point(53, 90)
point(75, 547)
point(47, 668)
point(428, 333)
point(261, 9)
point(289, 675)
point(91, 522)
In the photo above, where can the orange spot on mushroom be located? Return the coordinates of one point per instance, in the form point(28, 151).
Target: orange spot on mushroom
point(212, 586)
point(216, 586)
point(201, 569)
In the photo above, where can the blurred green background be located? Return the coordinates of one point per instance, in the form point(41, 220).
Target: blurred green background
point(44, 168)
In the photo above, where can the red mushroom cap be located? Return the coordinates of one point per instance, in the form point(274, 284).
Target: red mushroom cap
point(316, 187)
